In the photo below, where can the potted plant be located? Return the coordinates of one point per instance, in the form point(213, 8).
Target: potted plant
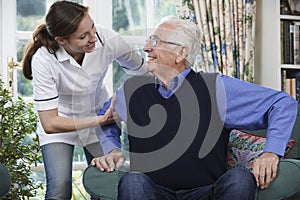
point(18, 148)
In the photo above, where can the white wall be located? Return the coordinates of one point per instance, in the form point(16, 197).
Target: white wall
point(7, 41)
point(267, 42)
point(1, 36)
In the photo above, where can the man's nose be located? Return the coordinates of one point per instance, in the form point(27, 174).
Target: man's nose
point(147, 47)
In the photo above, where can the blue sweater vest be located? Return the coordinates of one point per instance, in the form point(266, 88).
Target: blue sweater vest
point(179, 142)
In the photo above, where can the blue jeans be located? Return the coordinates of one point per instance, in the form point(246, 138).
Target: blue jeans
point(237, 183)
point(58, 158)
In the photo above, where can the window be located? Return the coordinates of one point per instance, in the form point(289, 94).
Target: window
point(130, 18)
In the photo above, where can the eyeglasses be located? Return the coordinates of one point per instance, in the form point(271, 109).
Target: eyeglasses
point(154, 40)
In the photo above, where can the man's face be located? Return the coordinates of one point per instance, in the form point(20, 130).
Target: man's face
point(162, 50)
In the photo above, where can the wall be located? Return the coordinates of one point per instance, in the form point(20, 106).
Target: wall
point(7, 41)
point(1, 35)
point(267, 69)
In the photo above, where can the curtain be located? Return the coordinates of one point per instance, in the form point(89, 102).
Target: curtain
point(228, 28)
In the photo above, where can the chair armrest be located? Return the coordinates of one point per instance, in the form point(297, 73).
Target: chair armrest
point(286, 183)
point(103, 185)
point(5, 180)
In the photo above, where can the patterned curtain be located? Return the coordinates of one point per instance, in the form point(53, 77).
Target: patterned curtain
point(228, 28)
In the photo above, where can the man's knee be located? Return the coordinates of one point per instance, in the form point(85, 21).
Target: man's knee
point(236, 183)
point(134, 178)
point(241, 177)
point(241, 182)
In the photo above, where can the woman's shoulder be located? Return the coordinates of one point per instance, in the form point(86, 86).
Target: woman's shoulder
point(42, 52)
point(43, 57)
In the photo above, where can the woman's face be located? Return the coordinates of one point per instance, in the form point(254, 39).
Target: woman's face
point(83, 40)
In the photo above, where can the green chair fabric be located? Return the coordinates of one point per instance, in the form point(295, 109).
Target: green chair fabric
point(4, 180)
point(105, 185)
point(286, 184)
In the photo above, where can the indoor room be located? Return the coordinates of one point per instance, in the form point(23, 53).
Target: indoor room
point(75, 79)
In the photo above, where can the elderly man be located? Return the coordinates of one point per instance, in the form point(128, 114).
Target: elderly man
point(178, 122)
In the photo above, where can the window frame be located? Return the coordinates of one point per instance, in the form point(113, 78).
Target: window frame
point(9, 36)
point(8, 41)
point(97, 9)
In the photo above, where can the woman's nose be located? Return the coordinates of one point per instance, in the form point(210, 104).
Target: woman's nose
point(93, 38)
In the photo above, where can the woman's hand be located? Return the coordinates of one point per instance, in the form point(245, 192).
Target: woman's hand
point(110, 116)
point(109, 162)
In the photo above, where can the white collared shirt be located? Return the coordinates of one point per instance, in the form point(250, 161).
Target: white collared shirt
point(77, 91)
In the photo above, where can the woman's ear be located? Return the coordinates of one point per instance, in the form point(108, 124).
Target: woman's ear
point(60, 40)
point(182, 54)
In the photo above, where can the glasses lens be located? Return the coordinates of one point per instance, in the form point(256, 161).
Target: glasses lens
point(153, 41)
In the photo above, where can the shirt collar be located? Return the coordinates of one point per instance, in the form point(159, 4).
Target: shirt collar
point(175, 84)
point(62, 55)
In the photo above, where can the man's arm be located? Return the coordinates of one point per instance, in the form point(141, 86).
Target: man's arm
point(249, 106)
point(252, 107)
point(109, 137)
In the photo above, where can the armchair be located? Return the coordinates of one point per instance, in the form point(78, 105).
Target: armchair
point(5, 180)
point(243, 148)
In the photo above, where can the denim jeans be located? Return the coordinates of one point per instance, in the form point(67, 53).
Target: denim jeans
point(237, 183)
point(58, 158)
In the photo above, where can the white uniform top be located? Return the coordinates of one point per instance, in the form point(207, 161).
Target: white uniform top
point(77, 91)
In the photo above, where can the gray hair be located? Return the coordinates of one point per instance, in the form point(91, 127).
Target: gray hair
point(187, 34)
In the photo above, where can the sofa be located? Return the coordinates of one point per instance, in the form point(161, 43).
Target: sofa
point(104, 185)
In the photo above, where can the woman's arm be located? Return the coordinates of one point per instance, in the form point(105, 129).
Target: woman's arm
point(126, 56)
point(53, 123)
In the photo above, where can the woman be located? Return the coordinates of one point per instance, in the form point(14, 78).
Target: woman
point(67, 62)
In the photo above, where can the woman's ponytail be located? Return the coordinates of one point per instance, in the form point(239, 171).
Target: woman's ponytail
point(40, 38)
point(62, 20)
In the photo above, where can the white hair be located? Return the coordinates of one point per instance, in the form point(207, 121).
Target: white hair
point(188, 34)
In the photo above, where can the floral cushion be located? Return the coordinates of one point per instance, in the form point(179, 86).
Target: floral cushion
point(244, 147)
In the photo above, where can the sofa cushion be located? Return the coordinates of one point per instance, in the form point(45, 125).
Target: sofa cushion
point(244, 147)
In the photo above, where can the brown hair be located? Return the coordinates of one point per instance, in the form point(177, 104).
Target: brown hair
point(62, 20)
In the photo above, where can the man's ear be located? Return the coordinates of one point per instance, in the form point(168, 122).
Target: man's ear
point(181, 55)
point(60, 40)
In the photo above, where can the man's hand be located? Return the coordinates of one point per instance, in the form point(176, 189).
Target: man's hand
point(110, 161)
point(265, 169)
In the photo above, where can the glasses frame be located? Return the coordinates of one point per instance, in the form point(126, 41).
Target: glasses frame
point(154, 41)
